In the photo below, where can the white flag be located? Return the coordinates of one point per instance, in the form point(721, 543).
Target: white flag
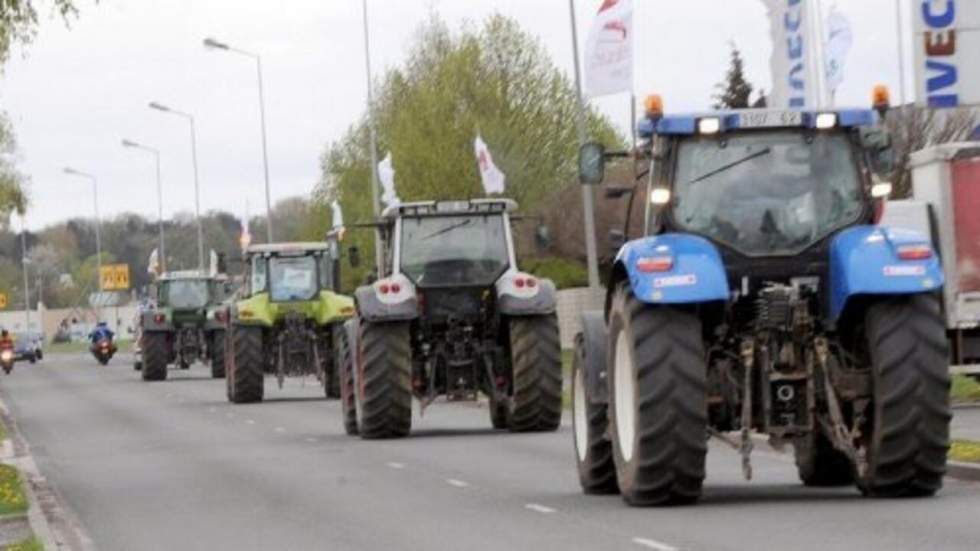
point(494, 180)
point(338, 215)
point(386, 173)
point(609, 50)
point(245, 239)
point(839, 41)
point(213, 262)
point(793, 55)
point(153, 266)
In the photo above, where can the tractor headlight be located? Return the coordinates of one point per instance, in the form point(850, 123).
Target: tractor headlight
point(826, 121)
point(709, 125)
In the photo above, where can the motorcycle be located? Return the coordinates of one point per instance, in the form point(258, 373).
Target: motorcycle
point(7, 358)
point(103, 350)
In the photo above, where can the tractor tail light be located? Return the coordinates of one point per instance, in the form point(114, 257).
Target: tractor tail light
point(655, 264)
point(915, 252)
point(519, 282)
point(159, 318)
point(531, 282)
point(396, 288)
point(384, 289)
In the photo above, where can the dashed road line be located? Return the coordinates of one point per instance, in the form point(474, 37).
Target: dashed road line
point(457, 483)
point(653, 544)
point(395, 465)
point(311, 440)
point(537, 508)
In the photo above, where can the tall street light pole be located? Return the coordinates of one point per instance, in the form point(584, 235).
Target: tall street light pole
point(24, 262)
point(156, 155)
point(217, 45)
point(197, 186)
point(375, 183)
point(588, 199)
point(98, 220)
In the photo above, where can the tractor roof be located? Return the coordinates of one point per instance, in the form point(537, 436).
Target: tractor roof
point(296, 248)
point(443, 208)
point(184, 274)
point(755, 119)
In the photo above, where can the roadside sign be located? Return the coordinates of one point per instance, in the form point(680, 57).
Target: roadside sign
point(3, 301)
point(115, 277)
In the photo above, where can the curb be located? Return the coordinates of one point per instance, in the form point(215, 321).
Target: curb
point(966, 405)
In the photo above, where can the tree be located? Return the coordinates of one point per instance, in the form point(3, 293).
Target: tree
point(735, 91)
point(913, 128)
point(12, 195)
point(495, 80)
point(19, 20)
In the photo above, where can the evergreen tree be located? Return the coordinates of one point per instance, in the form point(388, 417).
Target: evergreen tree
point(735, 91)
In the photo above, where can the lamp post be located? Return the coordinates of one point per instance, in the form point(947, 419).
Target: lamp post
point(375, 184)
point(217, 45)
point(24, 262)
point(98, 220)
point(156, 154)
point(197, 186)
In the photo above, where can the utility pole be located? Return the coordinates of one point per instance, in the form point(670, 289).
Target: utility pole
point(27, 286)
point(588, 193)
point(375, 183)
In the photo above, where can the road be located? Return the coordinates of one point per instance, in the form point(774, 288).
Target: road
point(172, 465)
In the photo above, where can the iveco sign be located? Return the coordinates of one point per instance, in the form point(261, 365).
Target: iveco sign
point(947, 52)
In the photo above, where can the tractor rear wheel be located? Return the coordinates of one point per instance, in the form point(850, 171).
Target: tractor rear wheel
point(217, 350)
point(535, 350)
point(908, 429)
point(384, 382)
point(658, 405)
point(593, 449)
point(156, 355)
point(819, 464)
point(246, 382)
point(345, 366)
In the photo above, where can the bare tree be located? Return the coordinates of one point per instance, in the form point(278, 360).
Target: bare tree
point(914, 128)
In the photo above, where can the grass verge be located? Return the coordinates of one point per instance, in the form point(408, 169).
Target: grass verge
point(12, 498)
point(32, 544)
point(566, 377)
point(965, 450)
point(965, 389)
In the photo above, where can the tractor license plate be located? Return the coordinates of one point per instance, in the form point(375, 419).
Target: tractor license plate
point(771, 119)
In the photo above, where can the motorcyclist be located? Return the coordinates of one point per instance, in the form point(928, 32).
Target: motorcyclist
point(100, 333)
point(6, 341)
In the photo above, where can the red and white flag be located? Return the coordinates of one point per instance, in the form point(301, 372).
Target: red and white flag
point(494, 180)
point(386, 174)
point(609, 50)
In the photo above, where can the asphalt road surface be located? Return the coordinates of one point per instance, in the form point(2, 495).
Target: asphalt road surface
point(172, 465)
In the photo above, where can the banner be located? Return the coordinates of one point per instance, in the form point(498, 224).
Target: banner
point(494, 181)
point(609, 50)
point(793, 55)
point(386, 173)
point(839, 42)
point(946, 46)
point(337, 214)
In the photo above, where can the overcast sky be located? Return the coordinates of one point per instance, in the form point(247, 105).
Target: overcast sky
point(76, 92)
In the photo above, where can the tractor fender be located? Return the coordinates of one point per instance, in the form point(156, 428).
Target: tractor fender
point(149, 323)
point(864, 260)
point(673, 268)
point(516, 297)
point(592, 343)
point(390, 299)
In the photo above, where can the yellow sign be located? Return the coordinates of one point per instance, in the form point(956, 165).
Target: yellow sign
point(115, 277)
point(3, 301)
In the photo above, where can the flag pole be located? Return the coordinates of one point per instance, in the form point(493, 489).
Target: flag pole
point(375, 202)
point(588, 199)
point(900, 37)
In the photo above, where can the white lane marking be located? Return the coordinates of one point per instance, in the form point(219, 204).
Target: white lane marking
point(280, 429)
point(395, 465)
point(539, 508)
point(311, 440)
point(457, 483)
point(249, 422)
point(653, 544)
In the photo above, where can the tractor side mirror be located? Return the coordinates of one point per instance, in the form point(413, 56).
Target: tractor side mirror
point(878, 145)
point(354, 256)
point(592, 163)
point(542, 237)
point(616, 240)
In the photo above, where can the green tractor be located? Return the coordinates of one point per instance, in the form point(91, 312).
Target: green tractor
point(185, 325)
point(289, 319)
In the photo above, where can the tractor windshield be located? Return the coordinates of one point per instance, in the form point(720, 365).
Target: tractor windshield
point(293, 278)
point(185, 293)
point(454, 250)
point(767, 193)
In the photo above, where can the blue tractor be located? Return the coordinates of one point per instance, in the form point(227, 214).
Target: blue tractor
point(762, 297)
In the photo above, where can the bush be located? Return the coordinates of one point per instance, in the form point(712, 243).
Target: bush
point(565, 273)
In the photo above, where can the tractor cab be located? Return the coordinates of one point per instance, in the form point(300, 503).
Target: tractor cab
point(292, 272)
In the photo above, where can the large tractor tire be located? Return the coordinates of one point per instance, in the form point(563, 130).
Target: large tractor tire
point(345, 366)
point(819, 464)
point(217, 351)
point(384, 382)
point(246, 381)
point(908, 429)
point(535, 350)
point(593, 449)
point(156, 356)
point(658, 405)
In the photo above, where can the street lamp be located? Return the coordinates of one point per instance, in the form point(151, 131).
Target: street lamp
point(98, 221)
point(156, 154)
point(24, 262)
point(197, 187)
point(214, 44)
